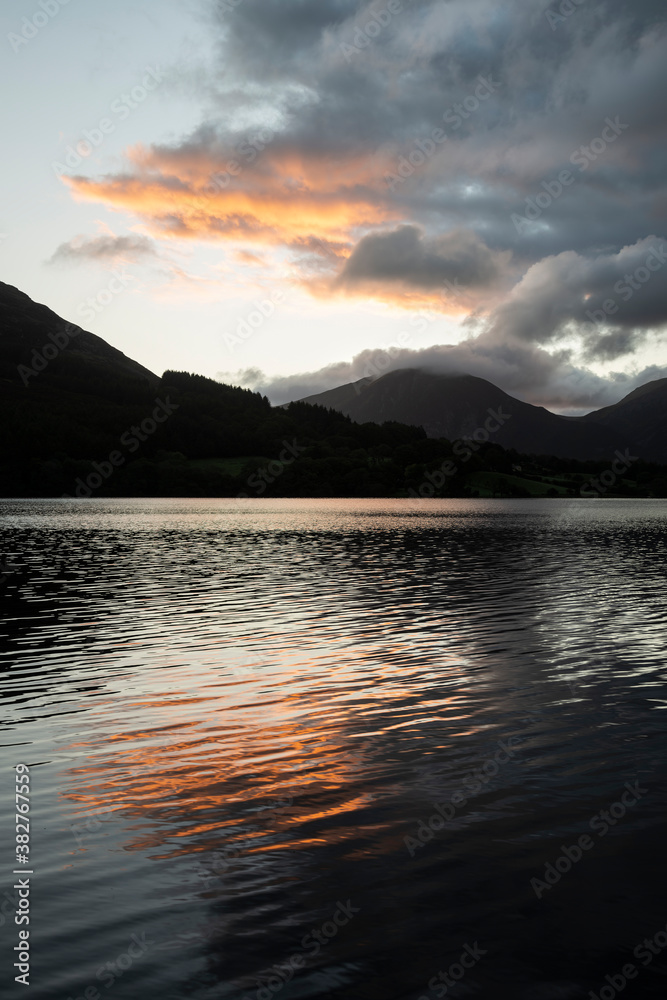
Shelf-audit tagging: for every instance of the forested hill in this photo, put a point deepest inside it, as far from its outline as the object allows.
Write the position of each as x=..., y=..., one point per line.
x=184, y=435
x=81, y=419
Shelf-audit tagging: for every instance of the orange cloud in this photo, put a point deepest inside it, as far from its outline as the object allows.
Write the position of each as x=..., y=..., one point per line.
x=246, y=257
x=284, y=197
x=402, y=296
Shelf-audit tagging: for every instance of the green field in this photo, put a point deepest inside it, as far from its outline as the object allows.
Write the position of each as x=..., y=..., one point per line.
x=490, y=484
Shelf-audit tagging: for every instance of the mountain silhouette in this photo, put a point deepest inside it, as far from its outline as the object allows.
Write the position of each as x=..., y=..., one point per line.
x=68, y=400
x=459, y=406
x=641, y=418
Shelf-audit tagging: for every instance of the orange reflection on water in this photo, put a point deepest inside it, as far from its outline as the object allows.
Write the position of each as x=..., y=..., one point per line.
x=191, y=773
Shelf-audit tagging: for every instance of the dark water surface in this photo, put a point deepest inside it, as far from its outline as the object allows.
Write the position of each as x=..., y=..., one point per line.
x=240, y=715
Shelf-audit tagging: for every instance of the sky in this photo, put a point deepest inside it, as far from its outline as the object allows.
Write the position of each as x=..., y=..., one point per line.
x=294, y=194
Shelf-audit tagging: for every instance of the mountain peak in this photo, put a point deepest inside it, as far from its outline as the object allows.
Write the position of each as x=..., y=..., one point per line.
x=459, y=406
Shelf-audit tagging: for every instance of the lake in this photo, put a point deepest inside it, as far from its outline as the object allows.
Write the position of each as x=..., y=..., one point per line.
x=349, y=749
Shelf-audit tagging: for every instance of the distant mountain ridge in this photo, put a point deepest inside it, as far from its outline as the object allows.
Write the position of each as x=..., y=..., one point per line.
x=66, y=392
x=458, y=407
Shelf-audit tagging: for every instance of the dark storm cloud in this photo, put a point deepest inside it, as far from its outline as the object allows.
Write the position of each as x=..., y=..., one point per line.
x=270, y=36
x=582, y=94
x=406, y=256
x=556, y=88
x=286, y=64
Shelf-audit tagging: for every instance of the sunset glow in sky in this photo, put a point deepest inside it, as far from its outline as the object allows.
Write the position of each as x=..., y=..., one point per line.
x=286, y=187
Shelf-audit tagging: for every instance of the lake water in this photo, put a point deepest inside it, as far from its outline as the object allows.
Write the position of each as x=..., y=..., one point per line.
x=239, y=717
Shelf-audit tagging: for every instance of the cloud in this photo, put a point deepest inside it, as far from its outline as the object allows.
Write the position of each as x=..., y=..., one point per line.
x=612, y=301
x=527, y=372
x=255, y=260
x=105, y=249
x=405, y=256
x=311, y=135
x=290, y=195
x=313, y=104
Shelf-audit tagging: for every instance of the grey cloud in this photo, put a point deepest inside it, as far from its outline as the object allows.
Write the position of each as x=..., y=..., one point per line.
x=555, y=90
x=609, y=346
x=104, y=249
x=275, y=36
x=622, y=292
x=405, y=256
x=282, y=62
x=557, y=87
x=525, y=371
